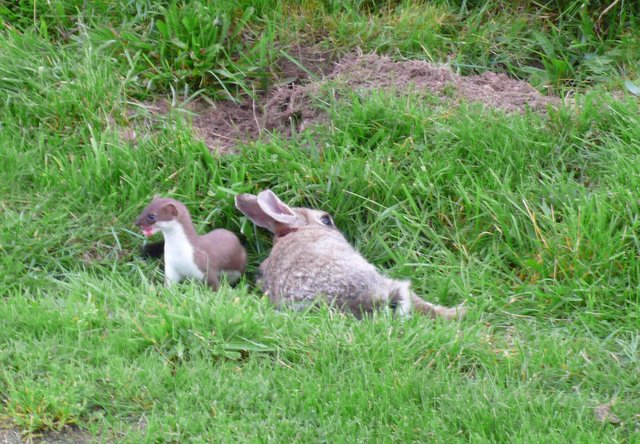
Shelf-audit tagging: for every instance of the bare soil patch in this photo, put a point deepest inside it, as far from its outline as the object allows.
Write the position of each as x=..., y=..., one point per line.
x=290, y=106
x=68, y=435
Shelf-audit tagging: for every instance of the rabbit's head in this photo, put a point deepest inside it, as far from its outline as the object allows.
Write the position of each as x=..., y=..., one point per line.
x=268, y=211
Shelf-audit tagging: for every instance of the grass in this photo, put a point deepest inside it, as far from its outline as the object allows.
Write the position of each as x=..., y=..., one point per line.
x=531, y=219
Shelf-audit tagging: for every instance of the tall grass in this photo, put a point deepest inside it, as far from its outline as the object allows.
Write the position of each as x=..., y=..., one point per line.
x=221, y=49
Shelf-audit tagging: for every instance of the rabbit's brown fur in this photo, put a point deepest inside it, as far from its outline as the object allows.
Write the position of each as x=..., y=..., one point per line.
x=311, y=259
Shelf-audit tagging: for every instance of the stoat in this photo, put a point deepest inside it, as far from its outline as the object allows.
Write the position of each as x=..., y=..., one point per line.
x=188, y=255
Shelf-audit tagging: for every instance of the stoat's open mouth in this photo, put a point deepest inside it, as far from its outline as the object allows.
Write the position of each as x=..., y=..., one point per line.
x=147, y=230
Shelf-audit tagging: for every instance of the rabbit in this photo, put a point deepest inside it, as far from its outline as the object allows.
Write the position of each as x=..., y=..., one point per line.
x=311, y=259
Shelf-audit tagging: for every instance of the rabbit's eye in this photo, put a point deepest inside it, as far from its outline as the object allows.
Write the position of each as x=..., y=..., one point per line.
x=151, y=216
x=326, y=220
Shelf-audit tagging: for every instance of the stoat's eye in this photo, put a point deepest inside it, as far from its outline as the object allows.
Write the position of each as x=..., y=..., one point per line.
x=326, y=220
x=151, y=216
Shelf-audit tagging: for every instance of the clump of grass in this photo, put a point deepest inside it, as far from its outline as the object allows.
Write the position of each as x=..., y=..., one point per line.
x=191, y=47
x=202, y=47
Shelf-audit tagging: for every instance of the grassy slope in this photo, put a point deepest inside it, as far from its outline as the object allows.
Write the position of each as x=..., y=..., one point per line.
x=532, y=220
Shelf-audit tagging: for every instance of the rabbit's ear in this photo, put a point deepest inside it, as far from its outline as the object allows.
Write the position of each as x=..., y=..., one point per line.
x=276, y=209
x=248, y=205
x=267, y=211
x=285, y=220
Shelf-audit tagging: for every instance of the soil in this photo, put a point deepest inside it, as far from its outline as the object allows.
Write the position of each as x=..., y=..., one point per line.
x=316, y=61
x=290, y=107
x=68, y=435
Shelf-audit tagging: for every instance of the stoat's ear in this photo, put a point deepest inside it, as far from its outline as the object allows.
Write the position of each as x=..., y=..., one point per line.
x=171, y=209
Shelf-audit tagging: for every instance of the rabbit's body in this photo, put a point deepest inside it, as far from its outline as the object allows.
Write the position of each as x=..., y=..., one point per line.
x=312, y=260
x=332, y=269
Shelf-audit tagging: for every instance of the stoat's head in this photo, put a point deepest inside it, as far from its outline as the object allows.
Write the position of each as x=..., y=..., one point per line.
x=160, y=213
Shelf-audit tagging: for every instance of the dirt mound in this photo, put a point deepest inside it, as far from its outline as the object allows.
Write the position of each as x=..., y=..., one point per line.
x=290, y=107
x=491, y=89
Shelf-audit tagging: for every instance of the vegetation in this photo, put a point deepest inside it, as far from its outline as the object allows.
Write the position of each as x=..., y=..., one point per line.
x=532, y=219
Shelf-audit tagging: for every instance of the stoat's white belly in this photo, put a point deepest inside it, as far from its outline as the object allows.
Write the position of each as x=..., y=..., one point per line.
x=179, y=262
